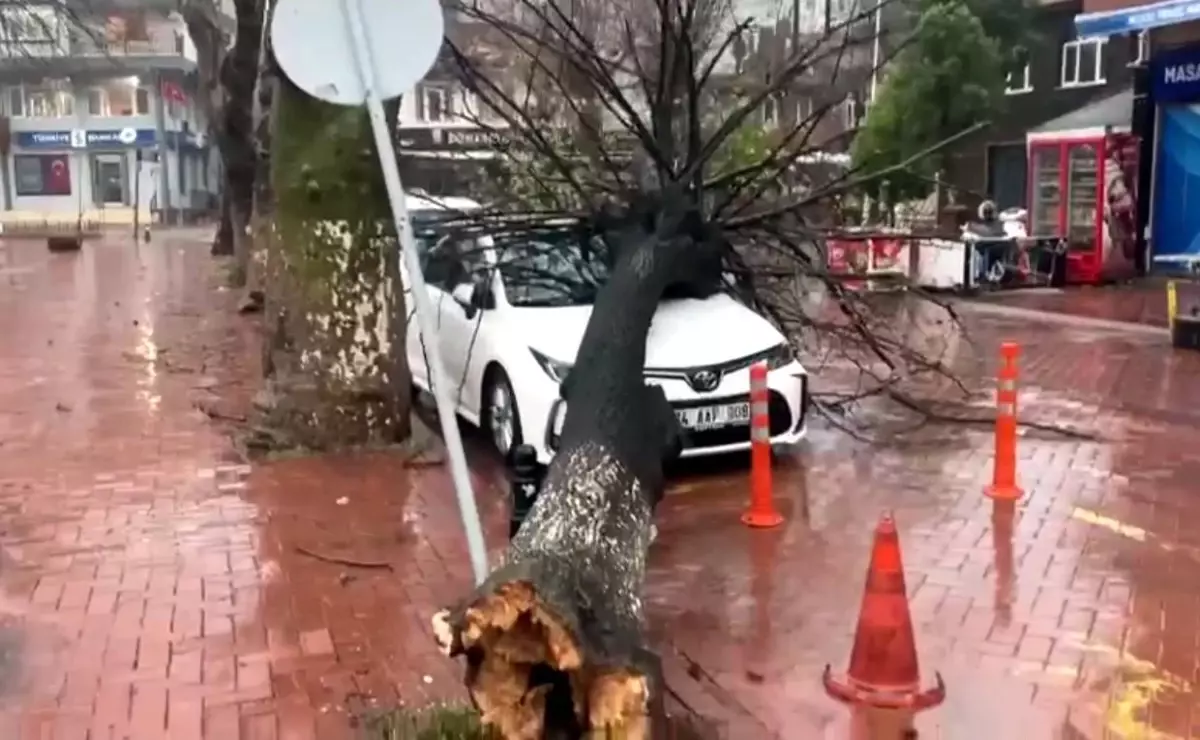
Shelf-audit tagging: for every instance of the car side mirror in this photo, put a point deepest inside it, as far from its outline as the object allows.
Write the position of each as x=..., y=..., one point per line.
x=474, y=296
x=481, y=292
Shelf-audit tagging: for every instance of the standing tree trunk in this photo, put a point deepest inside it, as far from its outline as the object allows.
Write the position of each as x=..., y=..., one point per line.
x=235, y=136
x=334, y=308
x=203, y=23
x=553, y=640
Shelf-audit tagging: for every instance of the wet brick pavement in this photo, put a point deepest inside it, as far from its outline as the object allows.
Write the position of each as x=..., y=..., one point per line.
x=152, y=585
x=1143, y=302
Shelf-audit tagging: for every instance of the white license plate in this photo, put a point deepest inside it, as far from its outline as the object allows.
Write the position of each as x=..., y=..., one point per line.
x=714, y=417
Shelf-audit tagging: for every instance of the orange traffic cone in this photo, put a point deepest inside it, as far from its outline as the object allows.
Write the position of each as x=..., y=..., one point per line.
x=883, y=669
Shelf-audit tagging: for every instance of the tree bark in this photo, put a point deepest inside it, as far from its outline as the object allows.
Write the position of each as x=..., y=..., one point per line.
x=204, y=27
x=236, y=135
x=553, y=640
x=222, y=245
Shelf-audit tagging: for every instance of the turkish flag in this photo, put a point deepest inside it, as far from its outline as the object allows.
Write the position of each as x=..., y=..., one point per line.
x=56, y=175
x=173, y=92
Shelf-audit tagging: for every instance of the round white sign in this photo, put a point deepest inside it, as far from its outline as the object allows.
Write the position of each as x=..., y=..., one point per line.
x=313, y=41
x=127, y=135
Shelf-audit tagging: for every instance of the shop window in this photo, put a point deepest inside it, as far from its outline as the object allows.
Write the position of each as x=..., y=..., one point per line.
x=1083, y=62
x=42, y=174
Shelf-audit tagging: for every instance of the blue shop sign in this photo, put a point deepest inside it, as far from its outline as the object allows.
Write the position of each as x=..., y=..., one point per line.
x=1175, y=76
x=85, y=138
x=1137, y=18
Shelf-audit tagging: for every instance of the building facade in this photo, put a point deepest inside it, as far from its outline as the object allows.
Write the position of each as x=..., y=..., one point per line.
x=1057, y=75
x=96, y=114
x=447, y=138
x=1166, y=117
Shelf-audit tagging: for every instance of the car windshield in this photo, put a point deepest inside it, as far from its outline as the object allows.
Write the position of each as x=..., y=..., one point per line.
x=551, y=268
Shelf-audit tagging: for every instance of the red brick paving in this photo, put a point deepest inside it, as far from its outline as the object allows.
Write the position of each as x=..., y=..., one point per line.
x=151, y=584
x=1141, y=302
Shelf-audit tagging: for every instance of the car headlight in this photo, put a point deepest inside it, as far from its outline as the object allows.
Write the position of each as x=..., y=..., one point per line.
x=555, y=369
x=780, y=356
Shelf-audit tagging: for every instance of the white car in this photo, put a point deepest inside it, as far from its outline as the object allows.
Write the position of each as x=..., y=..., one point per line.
x=511, y=313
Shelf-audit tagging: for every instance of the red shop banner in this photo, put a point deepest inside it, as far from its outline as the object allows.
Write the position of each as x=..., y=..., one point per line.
x=865, y=258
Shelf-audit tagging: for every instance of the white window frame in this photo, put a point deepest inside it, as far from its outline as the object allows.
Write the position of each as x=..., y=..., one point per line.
x=772, y=110
x=850, y=113
x=1070, y=63
x=1141, y=49
x=1026, y=82
x=444, y=107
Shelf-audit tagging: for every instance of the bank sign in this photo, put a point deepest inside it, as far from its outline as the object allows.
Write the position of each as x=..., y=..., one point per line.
x=1175, y=76
x=85, y=138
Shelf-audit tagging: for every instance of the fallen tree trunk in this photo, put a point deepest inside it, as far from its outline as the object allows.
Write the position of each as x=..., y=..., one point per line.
x=554, y=640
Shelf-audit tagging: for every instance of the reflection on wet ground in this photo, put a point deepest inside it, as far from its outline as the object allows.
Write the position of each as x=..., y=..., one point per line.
x=155, y=586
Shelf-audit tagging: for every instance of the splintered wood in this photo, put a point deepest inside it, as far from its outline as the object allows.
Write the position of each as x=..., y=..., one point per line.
x=512, y=633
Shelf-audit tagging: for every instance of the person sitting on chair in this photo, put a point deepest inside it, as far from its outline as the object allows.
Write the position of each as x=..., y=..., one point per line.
x=987, y=222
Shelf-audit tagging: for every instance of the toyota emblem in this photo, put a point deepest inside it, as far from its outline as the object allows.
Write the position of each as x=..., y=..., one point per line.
x=704, y=380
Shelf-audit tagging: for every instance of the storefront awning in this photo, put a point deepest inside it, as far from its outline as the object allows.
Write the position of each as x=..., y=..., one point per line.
x=1136, y=18
x=1112, y=113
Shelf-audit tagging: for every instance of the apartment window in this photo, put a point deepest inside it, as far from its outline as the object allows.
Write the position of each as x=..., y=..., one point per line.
x=804, y=109
x=475, y=110
x=771, y=110
x=1141, y=49
x=40, y=102
x=1083, y=62
x=850, y=112
x=814, y=15
x=433, y=103
x=119, y=98
x=121, y=28
x=1019, y=81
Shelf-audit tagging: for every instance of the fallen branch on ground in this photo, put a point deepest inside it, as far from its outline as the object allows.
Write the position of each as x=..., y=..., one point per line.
x=348, y=562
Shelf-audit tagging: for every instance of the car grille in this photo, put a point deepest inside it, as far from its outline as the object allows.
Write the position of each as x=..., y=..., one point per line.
x=692, y=375
x=780, y=415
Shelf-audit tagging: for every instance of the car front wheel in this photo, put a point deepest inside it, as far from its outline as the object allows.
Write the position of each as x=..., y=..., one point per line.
x=500, y=418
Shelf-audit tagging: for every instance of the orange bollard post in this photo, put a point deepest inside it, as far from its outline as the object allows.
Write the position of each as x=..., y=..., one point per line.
x=1004, y=471
x=762, y=512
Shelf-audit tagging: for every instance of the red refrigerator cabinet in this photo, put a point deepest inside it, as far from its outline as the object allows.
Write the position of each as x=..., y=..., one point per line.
x=1081, y=191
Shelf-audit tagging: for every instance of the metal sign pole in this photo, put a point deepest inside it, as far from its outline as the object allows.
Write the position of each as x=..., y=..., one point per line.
x=364, y=60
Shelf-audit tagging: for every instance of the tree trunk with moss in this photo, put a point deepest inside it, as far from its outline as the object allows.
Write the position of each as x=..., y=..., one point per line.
x=334, y=308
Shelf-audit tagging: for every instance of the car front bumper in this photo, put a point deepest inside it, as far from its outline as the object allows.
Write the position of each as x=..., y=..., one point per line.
x=788, y=405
